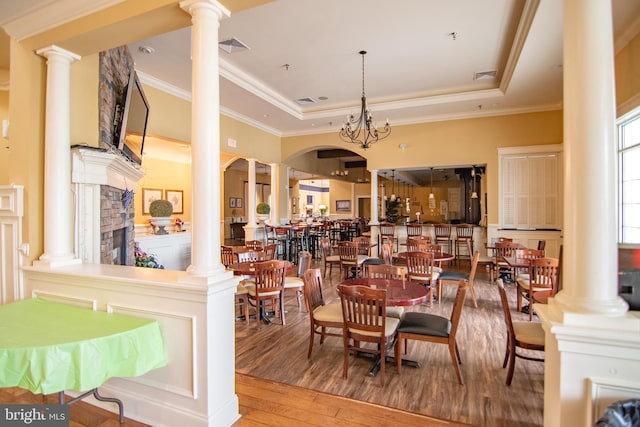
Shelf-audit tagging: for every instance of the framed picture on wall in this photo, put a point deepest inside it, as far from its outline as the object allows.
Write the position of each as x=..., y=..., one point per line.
x=343, y=205
x=148, y=196
x=238, y=202
x=232, y=202
x=175, y=197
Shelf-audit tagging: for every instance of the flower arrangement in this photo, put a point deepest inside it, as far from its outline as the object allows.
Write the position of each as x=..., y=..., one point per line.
x=146, y=260
x=179, y=222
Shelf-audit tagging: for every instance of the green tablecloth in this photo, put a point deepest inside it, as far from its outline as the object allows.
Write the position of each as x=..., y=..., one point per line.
x=47, y=347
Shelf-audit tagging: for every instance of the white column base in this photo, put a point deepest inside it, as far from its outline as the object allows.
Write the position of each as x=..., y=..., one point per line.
x=582, y=311
x=591, y=361
x=56, y=262
x=250, y=232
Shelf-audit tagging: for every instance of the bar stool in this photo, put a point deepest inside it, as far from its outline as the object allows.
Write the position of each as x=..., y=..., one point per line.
x=388, y=231
x=414, y=230
x=464, y=240
x=442, y=234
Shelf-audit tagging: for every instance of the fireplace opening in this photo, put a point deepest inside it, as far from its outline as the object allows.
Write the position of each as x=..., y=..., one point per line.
x=119, y=251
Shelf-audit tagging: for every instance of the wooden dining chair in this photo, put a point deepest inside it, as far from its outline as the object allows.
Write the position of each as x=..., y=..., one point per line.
x=267, y=287
x=386, y=271
x=442, y=234
x=254, y=244
x=452, y=277
x=388, y=231
x=543, y=276
x=413, y=230
x=321, y=314
x=364, y=245
x=328, y=258
x=525, y=335
x=296, y=283
x=363, y=324
x=416, y=245
x=270, y=251
x=526, y=254
x=251, y=256
x=420, y=267
x=500, y=267
x=350, y=260
x=428, y=327
x=386, y=253
x=227, y=257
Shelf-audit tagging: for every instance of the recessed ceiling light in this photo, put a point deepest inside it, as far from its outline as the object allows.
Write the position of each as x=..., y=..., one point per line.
x=146, y=49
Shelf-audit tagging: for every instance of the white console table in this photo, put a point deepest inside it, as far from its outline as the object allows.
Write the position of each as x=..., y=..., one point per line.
x=173, y=250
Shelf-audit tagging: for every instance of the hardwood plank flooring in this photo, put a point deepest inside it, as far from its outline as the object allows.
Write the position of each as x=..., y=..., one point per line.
x=278, y=386
x=279, y=353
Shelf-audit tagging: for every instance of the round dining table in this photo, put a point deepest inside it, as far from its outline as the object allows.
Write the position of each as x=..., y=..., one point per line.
x=249, y=268
x=437, y=256
x=399, y=292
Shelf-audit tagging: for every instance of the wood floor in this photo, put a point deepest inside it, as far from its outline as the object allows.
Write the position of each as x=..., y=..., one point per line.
x=279, y=354
x=278, y=386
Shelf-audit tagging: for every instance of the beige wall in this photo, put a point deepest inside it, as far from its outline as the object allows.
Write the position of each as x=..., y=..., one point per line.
x=234, y=187
x=26, y=165
x=4, y=143
x=449, y=143
x=164, y=175
x=84, y=101
x=169, y=116
x=627, y=63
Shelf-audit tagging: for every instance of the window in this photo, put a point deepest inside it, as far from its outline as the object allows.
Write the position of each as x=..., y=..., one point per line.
x=531, y=187
x=629, y=178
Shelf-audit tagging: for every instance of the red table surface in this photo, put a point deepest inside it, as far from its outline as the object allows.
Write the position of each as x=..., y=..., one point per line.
x=399, y=293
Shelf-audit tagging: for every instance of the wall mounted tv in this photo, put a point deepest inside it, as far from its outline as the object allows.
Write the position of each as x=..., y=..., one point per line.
x=133, y=126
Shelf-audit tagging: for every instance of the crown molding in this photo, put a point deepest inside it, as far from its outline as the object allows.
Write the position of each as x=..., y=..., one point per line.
x=154, y=82
x=524, y=27
x=54, y=14
x=627, y=35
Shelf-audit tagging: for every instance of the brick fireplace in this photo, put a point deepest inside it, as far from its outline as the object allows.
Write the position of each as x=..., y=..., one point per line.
x=104, y=227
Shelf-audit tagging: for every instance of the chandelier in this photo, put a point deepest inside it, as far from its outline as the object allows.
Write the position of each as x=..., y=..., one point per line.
x=339, y=172
x=363, y=131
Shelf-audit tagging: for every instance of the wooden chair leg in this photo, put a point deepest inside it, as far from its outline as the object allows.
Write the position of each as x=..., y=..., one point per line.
x=473, y=295
x=455, y=355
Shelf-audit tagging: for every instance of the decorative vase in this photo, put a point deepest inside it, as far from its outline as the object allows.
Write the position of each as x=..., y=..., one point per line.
x=161, y=222
x=262, y=218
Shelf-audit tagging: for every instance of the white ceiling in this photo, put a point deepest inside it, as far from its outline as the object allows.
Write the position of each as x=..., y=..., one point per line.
x=415, y=69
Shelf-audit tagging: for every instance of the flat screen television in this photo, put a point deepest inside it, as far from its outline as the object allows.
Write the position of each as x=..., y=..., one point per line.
x=133, y=125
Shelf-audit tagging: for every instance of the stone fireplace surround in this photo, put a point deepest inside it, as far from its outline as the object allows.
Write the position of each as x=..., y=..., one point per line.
x=99, y=179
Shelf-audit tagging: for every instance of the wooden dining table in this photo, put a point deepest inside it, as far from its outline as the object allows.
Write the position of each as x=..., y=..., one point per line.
x=249, y=268
x=399, y=293
x=438, y=258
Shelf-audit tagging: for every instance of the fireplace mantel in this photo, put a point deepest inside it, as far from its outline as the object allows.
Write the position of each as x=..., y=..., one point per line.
x=95, y=166
x=99, y=178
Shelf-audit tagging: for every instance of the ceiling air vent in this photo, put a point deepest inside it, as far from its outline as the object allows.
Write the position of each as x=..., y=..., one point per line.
x=305, y=101
x=232, y=45
x=485, y=75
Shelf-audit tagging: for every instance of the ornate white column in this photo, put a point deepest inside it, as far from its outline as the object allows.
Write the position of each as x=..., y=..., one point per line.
x=285, y=177
x=250, y=228
x=205, y=136
x=58, y=247
x=590, y=245
x=592, y=345
x=218, y=403
x=275, y=195
x=373, y=222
